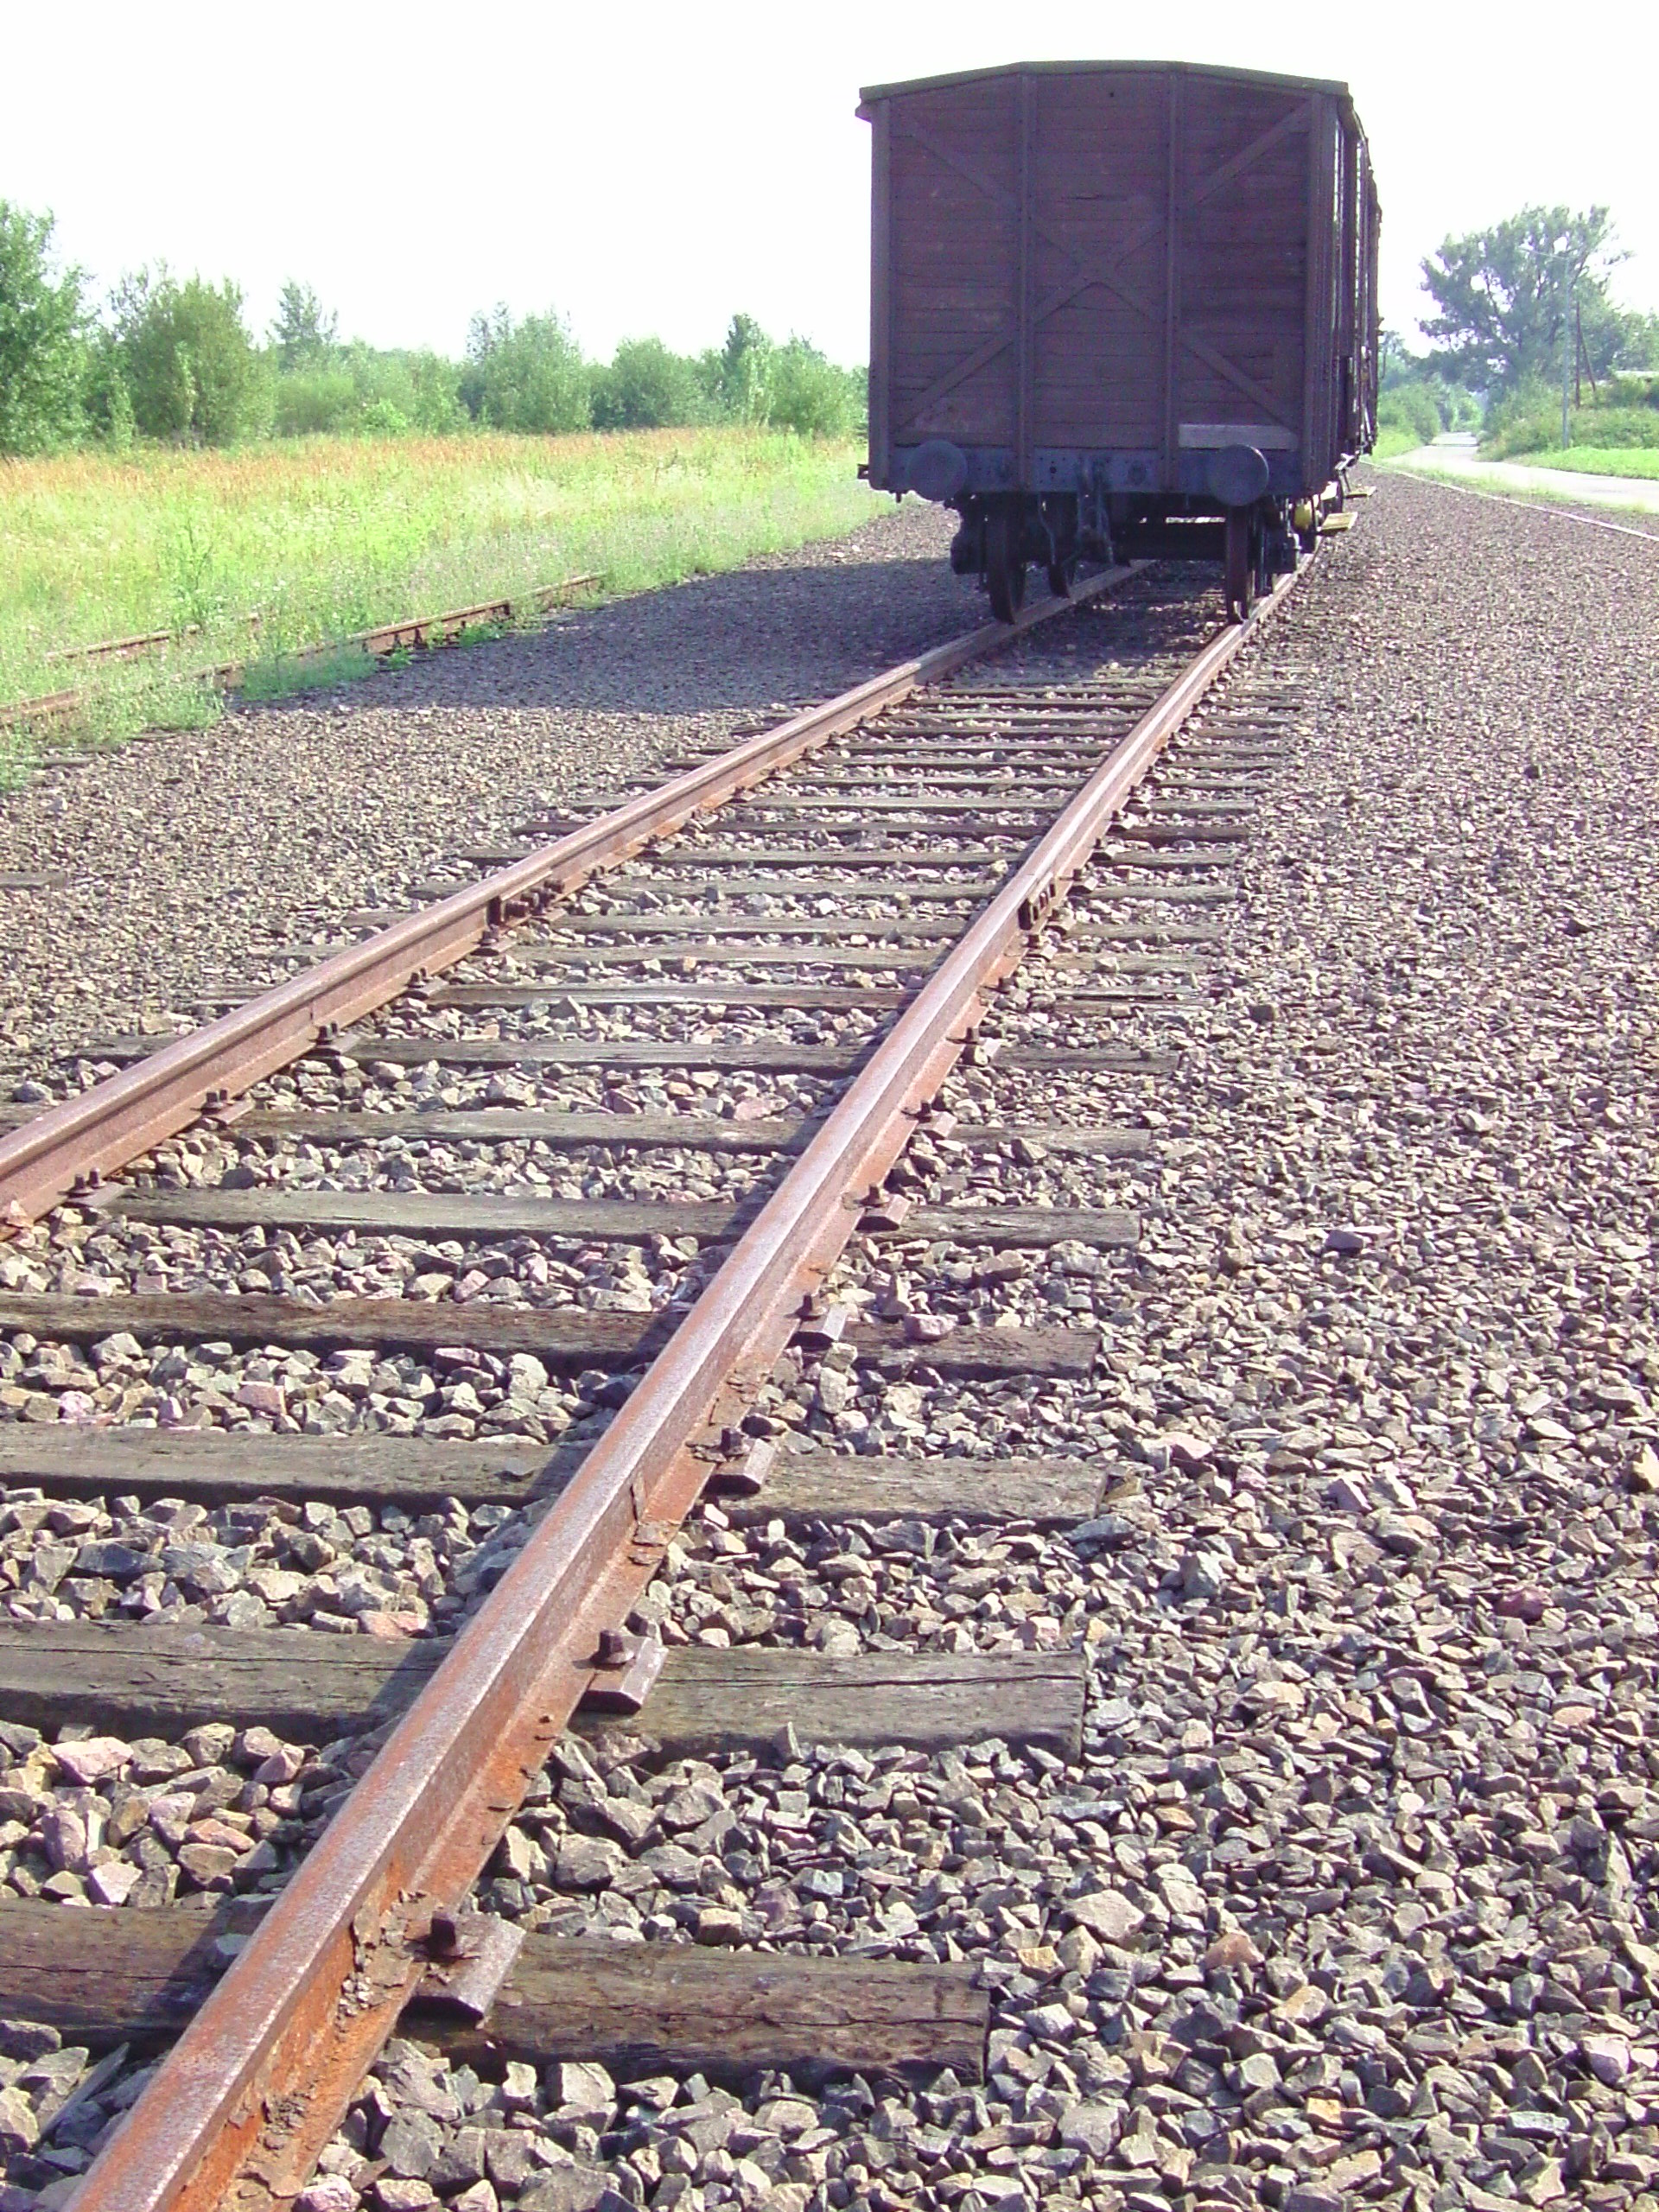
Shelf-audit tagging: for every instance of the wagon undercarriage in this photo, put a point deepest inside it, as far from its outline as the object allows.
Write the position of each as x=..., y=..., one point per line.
x=1119, y=309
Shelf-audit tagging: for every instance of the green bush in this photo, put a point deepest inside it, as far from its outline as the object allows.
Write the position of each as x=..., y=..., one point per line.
x=648, y=388
x=311, y=402
x=788, y=387
x=1529, y=434
x=382, y=395
x=1627, y=429
x=807, y=393
x=420, y=389
x=1615, y=426
x=187, y=361
x=384, y=418
x=1528, y=420
x=1410, y=407
x=41, y=346
x=527, y=376
x=1631, y=391
x=1626, y=415
x=433, y=402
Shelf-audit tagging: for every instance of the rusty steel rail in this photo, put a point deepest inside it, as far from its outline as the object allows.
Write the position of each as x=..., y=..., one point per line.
x=94, y=1135
x=236, y=2112
x=50, y=707
x=419, y=633
x=128, y=648
x=149, y=641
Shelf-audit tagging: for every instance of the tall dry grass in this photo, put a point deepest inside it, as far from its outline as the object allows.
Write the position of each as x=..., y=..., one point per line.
x=328, y=536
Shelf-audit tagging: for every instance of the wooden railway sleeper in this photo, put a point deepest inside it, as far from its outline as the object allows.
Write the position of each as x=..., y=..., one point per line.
x=480, y=1720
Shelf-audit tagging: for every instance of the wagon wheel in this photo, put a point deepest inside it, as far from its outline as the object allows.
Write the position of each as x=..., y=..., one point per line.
x=1241, y=564
x=1062, y=574
x=1005, y=571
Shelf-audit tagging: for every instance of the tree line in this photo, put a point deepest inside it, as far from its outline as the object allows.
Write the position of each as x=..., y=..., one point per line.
x=1515, y=306
x=174, y=360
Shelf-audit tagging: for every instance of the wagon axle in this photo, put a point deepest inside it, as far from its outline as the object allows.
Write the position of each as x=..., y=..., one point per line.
x=1120, y=309
x=1003, y=536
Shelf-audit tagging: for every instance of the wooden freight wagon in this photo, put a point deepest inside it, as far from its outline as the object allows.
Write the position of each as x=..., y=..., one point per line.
x=1120, y=307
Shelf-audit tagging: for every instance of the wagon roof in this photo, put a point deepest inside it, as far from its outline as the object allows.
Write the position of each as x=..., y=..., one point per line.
x=1091, y=68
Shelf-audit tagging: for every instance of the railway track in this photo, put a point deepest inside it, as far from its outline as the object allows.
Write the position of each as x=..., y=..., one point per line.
x=612, y=1182
x=415, y=633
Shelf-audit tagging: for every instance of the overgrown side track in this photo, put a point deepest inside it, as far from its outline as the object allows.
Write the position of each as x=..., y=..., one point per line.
x=92, y=1134
x=889, y=886
x=414, y=633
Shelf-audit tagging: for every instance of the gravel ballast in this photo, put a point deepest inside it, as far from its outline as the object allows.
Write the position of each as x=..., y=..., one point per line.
x=184, y=853
x=1350, y=1898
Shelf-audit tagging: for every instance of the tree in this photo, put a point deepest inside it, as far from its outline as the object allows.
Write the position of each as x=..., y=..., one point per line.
x=807, y=393
x=1506, y=295
x=107, y=398
x=187, y=360
x=304, y=337
x=788, y=387
x=434, y=394
x=646, y=387
x=1395, y=357
x=43, y=337
x=742, y=374
x=528, y=376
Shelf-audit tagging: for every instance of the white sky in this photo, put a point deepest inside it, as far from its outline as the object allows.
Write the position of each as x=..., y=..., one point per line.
x=645, y=167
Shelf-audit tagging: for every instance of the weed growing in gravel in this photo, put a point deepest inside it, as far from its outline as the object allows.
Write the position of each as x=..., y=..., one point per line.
x=279, y=678
x=162, y=699
x=324, y=537
x=134, y=696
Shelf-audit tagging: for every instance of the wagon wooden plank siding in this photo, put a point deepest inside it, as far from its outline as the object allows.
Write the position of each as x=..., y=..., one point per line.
x=1120, y=307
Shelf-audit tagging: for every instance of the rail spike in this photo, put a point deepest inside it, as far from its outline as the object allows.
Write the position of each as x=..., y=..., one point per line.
x=239, y=2109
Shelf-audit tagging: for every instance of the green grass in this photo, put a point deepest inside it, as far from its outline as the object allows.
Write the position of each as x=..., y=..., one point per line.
x=327, y=535
x=279, y=678
x=1395, y=438
x=1598, y=460
x=1519, y=437
x=1540, y=494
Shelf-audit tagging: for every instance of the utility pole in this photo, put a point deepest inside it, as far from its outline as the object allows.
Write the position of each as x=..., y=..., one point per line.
x=1568, y=362
x=1584, y=363
x=1577, y=351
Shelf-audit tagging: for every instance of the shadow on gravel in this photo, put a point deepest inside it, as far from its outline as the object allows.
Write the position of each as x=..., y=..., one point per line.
x=756, y=637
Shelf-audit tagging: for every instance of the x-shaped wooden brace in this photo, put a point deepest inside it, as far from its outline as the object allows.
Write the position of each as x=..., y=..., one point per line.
x=1104, y=274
